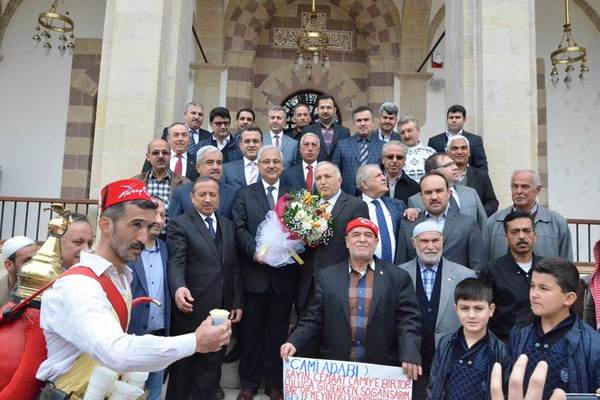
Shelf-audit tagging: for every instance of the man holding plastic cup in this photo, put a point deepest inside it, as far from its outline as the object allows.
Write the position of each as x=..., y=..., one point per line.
x=83, y=328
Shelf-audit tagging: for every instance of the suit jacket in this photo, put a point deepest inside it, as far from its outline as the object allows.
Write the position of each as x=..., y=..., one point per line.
x=138, y=323
x=231, y=151
x=393, y=325
x=405, y=187
x=394, y=136
x=481, y=182
x=176, y=182
x=191, y=173
x=234, y=174
x=452, y=274
x=396, y=208
x=249, y=210
x=182, y=203
x=209, y=270
x=288, y=147
x=470, y=204
x=347, y=158
x=293, y=178
x=462, y=241
x=339, y=133
x=346, y=208
x=477, y=159
x=193, y=147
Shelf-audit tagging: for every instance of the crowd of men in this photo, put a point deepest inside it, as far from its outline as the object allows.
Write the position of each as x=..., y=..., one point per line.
x=411, y=222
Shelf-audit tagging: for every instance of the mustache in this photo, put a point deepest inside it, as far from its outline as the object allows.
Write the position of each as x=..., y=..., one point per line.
x=522, y=242
x=137, y=246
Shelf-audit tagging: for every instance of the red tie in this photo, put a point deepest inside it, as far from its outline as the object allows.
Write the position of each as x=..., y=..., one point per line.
x=178, y=165
x=309, y=178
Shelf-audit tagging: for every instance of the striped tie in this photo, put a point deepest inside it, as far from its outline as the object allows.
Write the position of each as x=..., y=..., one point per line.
x=253, y=172
x=364, y=151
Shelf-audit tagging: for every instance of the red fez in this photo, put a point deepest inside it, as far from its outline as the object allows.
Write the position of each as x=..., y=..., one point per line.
x=122, y=191
x=364, y=222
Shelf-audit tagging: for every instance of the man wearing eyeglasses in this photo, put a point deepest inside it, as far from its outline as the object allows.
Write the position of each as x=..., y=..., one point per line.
x=393, y=158
x=268, y=291
x=220, y=120
x=417, y=153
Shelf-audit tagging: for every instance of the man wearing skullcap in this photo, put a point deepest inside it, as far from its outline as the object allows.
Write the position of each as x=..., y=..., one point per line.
x=16, y=252
x=376, y=320
x=434, y=279
x=84, y=314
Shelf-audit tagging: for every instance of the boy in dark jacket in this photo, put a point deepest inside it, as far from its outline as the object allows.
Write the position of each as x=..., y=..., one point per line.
x=569, y=346
x=464, y=360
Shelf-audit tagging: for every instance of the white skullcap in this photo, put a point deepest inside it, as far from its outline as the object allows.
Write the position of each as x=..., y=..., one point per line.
x=12, y=245
x=426, y=226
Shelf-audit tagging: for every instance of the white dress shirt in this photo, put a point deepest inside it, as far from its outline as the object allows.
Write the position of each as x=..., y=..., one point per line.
x=280, y=134
x=388, y=221
x=214, y=220
x=77, y=318
x=332, y=201
x=220, y=145
x=248, y=171
x=174, y=159
x=275, y=192
x=305, y=170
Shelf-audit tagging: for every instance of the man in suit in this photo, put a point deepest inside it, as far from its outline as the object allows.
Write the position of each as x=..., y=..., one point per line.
x=458, y=149
x=182, y=162
x=302, y=175
x=434, y=278
x=268, y=291
x=209, y=163
x=552, y=230
x=301, y=119
x=244, y=172
x=360, y=149
x=463, y=199
x=456, y=116
x=417, y=153
x=287, y=145
x=159, y=179
x=388, y=117
x=393, y=158
x=385, y=212
x=462, y=238
x=193, y=117
x=221, y=138
x=365, y=309
x=244, y=118
x=328, y=131
x=343, y=209
x=203, y=275
x=149, y=272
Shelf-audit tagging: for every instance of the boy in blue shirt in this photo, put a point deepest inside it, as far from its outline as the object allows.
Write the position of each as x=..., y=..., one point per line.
x=569, y=346
x=464, y=360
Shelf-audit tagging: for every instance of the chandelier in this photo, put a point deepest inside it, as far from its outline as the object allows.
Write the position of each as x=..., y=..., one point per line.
x=312, y=43
x=53, y=21
x=568, y=53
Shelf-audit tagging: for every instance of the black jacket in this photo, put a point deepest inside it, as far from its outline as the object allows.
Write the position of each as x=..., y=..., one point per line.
x=405, y=187
x=479, y=180
x=339, y=133
x=478, y=158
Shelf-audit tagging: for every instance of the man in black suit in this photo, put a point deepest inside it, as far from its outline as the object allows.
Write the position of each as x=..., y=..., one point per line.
x=244, y=172
x=209, y=163
x=379, y=324
x=388, y=118
x=182, y=162
x=456, y=116
x=220, y=119
x=302, y=175
x=328, y=131
x=193, y=117
x=458, y=149
x=268, y=291
x=343, y=208
x=244, y=118
x=400, y=185
x=203, y=274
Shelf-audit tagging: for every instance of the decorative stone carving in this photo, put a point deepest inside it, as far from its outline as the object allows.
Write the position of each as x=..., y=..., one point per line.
x=287, y=38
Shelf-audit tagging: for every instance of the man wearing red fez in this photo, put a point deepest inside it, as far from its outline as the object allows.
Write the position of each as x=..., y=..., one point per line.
x=380, y=322
x=83, y=317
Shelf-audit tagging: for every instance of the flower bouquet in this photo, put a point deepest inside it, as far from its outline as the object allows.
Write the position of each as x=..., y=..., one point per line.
x=299, y=220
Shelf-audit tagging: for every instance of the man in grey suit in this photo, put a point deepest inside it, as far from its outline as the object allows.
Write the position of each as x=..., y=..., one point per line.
x=244, y=172
x=462, y=238
x=287, y=145
x=464, y=199
x=434, y=278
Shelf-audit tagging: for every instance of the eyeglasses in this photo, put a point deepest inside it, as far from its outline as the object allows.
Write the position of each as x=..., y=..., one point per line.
x=448, y=164
x=395, y=156
x=267, y=162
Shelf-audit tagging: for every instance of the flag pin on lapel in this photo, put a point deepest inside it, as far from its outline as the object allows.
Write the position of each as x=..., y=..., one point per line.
x=380, y=272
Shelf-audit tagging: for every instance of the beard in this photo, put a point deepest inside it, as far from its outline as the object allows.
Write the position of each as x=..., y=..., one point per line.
x=429, y=258
x=122, y=250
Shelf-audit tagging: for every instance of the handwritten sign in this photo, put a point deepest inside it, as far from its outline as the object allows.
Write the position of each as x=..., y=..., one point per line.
x=314, y=379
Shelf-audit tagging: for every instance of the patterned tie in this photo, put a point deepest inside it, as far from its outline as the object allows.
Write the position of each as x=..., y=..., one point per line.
x=309, y=178
x=253, y=172
x=211, y=228
x=364, y=151
x=386, y=243
x=193, y=147
x=277, y=140
x=270, y=197
x=178, y=165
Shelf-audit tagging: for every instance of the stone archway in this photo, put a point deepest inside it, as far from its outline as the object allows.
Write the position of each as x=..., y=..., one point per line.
x=6, y=14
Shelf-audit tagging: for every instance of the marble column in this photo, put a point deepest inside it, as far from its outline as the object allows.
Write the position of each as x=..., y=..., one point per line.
x=413, y=94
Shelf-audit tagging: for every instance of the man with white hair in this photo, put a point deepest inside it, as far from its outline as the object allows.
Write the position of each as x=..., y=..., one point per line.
x=388, y=117
x=410, y=135
x=551, y=228
x=434, y=278
x=16, y=252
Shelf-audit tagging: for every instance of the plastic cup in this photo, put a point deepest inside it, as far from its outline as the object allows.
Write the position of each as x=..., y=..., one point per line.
x=135, y=378
x=101, y=380
x=219, y=316
x=125, y=391
x=93, y=394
